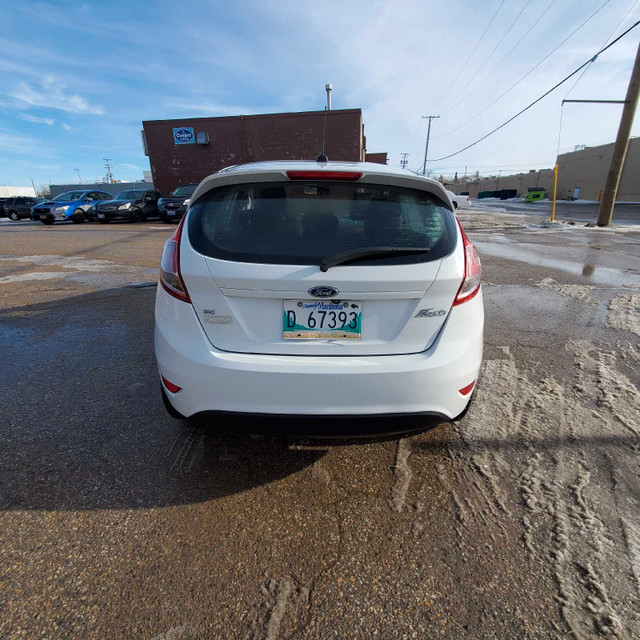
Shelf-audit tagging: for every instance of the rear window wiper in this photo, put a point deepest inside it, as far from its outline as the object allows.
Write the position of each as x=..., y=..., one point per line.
x=368, y=252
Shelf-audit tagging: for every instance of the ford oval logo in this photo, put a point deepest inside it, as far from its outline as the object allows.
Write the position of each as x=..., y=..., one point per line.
x=323, y=292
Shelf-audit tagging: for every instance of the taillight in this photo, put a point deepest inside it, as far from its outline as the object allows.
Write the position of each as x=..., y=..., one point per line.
x=334, y=176
x=472, y=271
x=170, y=277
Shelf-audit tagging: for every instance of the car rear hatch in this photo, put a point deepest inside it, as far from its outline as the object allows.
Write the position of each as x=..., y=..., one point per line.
x=251, y=252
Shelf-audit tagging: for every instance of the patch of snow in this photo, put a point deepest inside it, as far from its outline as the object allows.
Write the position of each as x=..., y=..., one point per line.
x=624, y=312
x=576, y=291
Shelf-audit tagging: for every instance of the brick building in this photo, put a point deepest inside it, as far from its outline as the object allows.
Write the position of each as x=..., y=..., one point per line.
x=189, y=149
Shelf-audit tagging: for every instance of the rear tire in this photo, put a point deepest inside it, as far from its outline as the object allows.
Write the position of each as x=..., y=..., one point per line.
x=78, y=217
x=14, y=216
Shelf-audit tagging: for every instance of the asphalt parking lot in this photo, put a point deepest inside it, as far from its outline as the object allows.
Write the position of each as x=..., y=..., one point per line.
x=519, y=521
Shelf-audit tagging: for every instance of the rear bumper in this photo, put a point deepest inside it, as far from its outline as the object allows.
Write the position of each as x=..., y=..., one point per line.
x=171, y=214
x=112, y=215
x=213, y=380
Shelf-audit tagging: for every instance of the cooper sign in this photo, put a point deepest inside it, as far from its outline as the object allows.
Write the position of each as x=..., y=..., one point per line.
x=184, y=135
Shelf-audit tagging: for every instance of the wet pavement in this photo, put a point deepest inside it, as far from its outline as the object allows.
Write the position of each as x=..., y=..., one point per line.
x=519, y=521
x=624, y=214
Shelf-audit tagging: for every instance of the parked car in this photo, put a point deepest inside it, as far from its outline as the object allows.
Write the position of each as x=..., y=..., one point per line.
x=319, y=289
x=459, y=202
x=71, y=205
x=20, y=207
x=3, y=211
x=173, y=207
x=135, y=205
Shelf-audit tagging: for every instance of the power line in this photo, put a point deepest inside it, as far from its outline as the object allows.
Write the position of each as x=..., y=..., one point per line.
x=466, y=62
x=513, y=86
x=544, y=95
x=573, y=86
x=482, y=66
x=517, y=44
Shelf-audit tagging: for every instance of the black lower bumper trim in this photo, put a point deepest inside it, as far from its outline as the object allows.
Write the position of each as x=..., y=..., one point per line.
x=324, y=426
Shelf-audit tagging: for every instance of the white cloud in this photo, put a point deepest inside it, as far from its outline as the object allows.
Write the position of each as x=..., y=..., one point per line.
x=53, y=96
x=126, y=165
x=38, y=119
x=67, y=127
x=13, y=142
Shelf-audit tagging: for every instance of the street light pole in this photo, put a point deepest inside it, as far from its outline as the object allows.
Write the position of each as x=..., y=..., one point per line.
x=426, y=146
x=620, y=146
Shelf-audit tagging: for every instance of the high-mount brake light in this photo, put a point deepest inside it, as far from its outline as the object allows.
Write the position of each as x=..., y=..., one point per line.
x=170, y=277
x=333, y=176
x=472, y=271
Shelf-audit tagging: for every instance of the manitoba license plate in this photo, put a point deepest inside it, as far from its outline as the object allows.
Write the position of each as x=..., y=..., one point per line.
x=309, y=319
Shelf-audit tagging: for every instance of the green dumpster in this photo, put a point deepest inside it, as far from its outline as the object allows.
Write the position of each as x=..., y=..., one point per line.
x=535, y=193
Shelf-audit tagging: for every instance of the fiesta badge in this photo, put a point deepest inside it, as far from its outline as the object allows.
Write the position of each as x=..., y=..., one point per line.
x=323, y=292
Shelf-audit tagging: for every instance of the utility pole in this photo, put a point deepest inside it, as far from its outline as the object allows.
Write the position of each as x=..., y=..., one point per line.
x=405, y=159
x=426, y=147
x=109, y=177
x=620, y=146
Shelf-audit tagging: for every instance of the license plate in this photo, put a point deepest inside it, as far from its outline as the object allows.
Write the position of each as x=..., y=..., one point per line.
x=101, y=215
x=170, y=212
x=312, y=319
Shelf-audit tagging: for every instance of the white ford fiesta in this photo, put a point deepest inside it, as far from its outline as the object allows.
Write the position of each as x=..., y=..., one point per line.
x=319, y=289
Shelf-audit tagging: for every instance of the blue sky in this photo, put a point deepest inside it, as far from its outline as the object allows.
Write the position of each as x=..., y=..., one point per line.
x=78, y=78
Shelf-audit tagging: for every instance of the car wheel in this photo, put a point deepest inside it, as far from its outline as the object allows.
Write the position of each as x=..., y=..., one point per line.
x=47, y=222
x=78, y=217
x=14, y=216
x=136, y=216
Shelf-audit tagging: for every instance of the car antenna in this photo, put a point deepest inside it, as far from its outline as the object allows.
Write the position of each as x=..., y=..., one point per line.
x=322, y=157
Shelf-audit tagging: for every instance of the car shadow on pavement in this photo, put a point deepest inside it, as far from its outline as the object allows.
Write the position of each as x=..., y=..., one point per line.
x=83, y=425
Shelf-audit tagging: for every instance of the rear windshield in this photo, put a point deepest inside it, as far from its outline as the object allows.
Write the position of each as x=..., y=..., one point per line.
x=304, y=222
x=184, y=190
x=129, y=195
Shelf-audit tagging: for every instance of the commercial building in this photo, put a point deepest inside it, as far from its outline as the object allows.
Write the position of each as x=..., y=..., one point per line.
x=12, y=192
x=581, y=175
x=189, y=149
